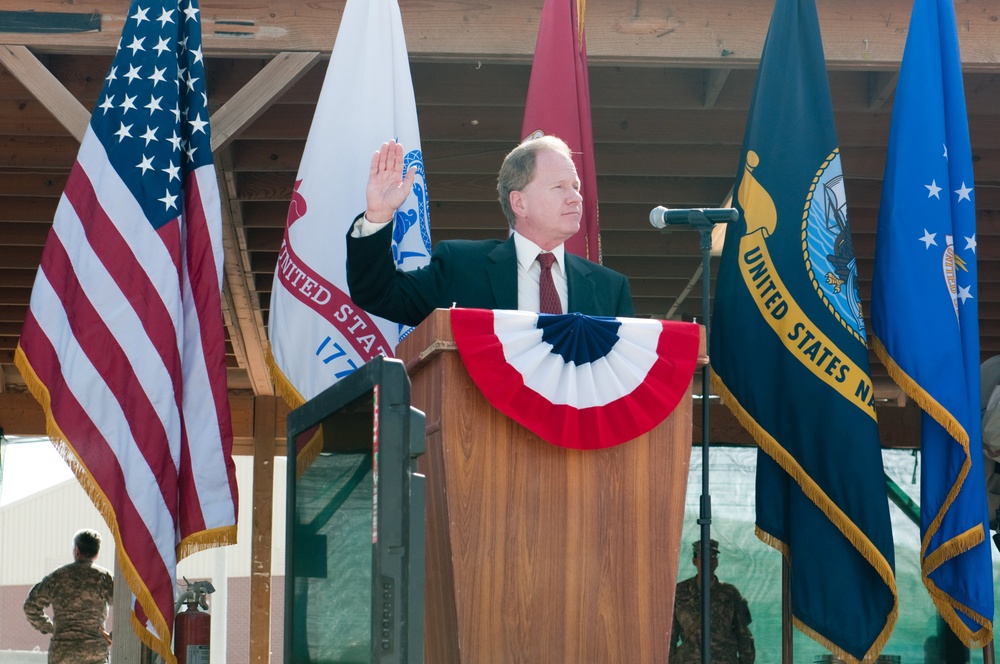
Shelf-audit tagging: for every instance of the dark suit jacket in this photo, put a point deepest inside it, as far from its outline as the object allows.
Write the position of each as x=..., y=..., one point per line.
x=474, y=274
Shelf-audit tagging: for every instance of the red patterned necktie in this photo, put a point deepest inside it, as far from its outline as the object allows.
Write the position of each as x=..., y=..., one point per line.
x=548, y=297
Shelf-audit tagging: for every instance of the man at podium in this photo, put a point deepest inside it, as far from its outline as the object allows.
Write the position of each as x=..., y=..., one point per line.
x=539, y=192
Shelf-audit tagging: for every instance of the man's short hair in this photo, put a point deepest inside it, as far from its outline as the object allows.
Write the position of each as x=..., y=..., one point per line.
x=519, y=167
x=88, y=542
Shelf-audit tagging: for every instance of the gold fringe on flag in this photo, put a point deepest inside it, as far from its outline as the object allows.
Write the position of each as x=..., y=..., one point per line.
x=161, y=641
x=931, y=560
x=832, y=511
x=310, y=451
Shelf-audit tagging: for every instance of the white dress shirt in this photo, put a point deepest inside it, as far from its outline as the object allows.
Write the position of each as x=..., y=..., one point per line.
x=529, y=272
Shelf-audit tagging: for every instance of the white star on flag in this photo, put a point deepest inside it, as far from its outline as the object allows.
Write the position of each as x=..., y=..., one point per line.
x=133, y=73
x=136, y=45
x=123, y=132
x=963, y=193
x=157, y=76
x=169, y=201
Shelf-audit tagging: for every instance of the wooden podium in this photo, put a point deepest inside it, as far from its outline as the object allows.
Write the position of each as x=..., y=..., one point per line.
x=537, y=554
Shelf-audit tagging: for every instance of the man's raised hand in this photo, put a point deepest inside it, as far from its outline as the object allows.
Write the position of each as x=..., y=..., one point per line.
x=387, y=188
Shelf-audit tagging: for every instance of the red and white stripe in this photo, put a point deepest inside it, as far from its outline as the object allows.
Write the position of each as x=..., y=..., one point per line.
x=124, y=334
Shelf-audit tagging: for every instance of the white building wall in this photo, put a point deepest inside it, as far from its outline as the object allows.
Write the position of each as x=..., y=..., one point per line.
x=36, y=533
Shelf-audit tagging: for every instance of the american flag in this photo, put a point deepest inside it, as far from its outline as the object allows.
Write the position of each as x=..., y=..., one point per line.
x=123, y=342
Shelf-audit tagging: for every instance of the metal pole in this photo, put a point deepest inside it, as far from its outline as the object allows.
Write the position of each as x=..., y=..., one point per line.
x=126, y=648
x=702, y=220
x=705, y=516
x=786, y=612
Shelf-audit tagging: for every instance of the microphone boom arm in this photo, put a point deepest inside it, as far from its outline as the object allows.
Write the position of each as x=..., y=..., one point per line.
x=699, y=218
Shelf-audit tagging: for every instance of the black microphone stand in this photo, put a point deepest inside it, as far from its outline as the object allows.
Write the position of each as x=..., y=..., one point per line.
x=704, y=226
x=700, y=222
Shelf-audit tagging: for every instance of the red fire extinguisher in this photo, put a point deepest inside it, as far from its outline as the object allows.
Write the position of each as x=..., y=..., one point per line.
x=193, y=624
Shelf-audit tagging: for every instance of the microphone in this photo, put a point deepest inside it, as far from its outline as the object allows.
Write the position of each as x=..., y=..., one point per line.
x=661, y=217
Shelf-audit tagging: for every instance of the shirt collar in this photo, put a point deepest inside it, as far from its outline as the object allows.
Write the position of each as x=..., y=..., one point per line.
x=527, y=252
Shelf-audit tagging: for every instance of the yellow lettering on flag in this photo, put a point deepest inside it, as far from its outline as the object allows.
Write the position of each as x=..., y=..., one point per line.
x=802, y=338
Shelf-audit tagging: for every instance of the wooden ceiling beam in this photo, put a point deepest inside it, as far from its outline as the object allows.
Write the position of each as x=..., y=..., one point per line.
x=506, y=84
x=29, y=209
x=484, y=158
x=244, y=324
x=28, y=117
x=464, y=84
x=22, y=235
x=268, y=156
x=630, y=127
x=12, y=313
x=258, y=95
x=676, y=191
x=857, y=34
x=715, y=80
x=33, y=185
x=20, y=415
x=38, y=153
x=17, y=278
x=246, y=328
x=881, y=86
x=23, y=258
x=14, y=295
x=898, y=427
x=46, y=88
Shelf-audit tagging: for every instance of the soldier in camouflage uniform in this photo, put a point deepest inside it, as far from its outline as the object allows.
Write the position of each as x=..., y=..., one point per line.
x=79, y=594
x=732, y=642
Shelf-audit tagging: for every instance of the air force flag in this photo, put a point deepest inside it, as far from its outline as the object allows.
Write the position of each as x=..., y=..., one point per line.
x=925, y=314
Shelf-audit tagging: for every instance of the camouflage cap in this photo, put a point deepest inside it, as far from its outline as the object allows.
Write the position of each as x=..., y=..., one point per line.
x=712, y=545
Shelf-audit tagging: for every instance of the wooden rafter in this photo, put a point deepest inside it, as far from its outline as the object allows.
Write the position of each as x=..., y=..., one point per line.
x=34, y=76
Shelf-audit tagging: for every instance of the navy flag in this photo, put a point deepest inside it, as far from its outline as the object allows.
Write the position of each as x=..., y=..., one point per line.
x=789, y=354
x=925, y=318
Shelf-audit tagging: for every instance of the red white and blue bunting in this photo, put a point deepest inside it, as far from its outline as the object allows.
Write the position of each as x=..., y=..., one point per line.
x=581, y=382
